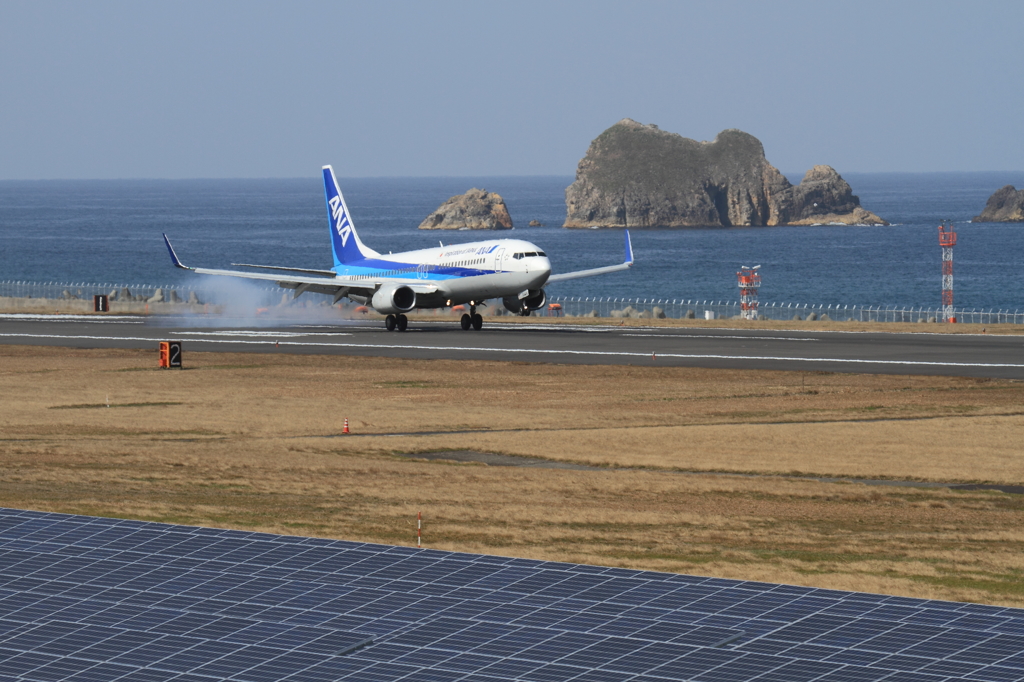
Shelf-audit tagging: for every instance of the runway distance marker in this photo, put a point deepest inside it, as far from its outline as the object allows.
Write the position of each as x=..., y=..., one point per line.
x=170, y=354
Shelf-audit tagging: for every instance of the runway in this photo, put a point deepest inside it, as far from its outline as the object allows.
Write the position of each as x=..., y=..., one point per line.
x=978, y=355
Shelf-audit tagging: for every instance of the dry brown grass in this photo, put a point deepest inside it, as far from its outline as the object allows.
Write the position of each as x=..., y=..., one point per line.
x=250, y=441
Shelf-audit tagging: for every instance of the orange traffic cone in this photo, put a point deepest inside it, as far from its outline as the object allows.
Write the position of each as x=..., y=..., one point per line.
x=345, y=430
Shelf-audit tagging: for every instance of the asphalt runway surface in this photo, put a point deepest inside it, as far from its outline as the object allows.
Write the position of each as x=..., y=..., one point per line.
x=977, y=355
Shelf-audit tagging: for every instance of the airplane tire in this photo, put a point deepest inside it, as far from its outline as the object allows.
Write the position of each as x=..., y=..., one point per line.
x=403, y=322
x=466, y=322
x=477, y=321
x=390, y=322
x=526, y=312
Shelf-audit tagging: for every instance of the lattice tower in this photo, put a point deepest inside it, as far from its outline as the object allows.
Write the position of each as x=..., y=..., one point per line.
x=749, y=281
x=947, y=240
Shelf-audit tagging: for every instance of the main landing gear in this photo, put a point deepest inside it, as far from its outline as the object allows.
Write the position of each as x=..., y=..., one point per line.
x=396, y=321
x=472, y=319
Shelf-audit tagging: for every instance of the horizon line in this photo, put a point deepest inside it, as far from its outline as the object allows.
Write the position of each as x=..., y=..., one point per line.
x=443, y=177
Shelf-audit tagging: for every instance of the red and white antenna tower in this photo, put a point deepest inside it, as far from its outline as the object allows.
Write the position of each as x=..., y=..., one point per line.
x=749, y=281
x=947, y=240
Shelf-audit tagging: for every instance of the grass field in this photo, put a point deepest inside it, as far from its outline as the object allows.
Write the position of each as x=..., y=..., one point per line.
x=253, y=441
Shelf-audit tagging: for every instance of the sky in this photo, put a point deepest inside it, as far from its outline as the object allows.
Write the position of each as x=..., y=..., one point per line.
x=258, y=89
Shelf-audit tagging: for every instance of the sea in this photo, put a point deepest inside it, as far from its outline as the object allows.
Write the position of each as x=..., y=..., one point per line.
x=109, y=231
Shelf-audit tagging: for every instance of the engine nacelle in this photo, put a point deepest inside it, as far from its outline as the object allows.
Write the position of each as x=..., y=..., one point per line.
x=393, y=298
x=536, y=300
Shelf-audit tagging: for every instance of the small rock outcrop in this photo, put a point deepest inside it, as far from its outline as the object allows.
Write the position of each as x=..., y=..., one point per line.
x=477, y=209
x=823, y=197
x=636, y=175
x=1006, y=205
x=536, y=223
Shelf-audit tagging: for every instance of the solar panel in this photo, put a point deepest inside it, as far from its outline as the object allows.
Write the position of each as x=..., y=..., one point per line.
x=85, y=598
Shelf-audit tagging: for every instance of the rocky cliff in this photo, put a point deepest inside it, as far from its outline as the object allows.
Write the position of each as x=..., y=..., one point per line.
x=1005, y=206
x=477, y=209
x=637, y=175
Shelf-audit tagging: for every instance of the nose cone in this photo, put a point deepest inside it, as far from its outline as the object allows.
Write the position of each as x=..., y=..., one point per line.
x=541, y=266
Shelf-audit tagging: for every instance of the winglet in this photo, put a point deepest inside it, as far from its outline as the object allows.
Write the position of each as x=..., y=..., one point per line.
x=174, y=256
x=626, y=265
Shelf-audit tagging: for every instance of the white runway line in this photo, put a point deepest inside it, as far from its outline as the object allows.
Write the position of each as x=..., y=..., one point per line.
x=266, y=334
x=536, y=351
x=94, y=319
x=722, y=336
x=593, y=329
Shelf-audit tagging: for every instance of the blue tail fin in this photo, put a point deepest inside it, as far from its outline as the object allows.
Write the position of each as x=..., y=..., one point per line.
x=345, y=242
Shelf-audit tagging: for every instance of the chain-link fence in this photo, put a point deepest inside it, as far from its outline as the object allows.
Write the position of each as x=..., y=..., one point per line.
x=166, y=293
x=577, y=306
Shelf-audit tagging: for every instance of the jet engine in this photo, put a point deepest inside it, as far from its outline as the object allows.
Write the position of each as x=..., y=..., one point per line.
x=535, y=300
x=393, y=298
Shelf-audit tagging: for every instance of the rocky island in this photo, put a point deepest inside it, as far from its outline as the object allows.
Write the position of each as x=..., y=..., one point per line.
x=636, y=175
x=477, y=209
x=1006, y=205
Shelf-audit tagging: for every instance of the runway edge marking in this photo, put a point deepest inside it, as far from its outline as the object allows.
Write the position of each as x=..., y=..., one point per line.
x=597, y=353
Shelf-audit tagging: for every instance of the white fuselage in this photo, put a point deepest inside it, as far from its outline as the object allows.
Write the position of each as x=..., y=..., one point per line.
x=461, y=273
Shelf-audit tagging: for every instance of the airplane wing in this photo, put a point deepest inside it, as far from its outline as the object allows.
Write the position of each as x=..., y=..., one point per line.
x=627, y=264
x=308, y=271
x=337, y=286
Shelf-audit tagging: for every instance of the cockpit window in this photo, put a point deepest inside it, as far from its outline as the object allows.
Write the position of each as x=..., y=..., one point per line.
x=530, y=253
x=541, y=253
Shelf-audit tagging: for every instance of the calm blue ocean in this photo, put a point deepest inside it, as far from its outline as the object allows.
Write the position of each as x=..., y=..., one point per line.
x=109, y=231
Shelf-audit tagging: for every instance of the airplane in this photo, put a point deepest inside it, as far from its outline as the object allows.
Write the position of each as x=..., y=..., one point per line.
x=513, y=270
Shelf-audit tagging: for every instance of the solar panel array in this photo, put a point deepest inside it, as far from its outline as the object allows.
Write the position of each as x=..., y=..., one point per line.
x=98, y=600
